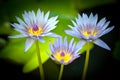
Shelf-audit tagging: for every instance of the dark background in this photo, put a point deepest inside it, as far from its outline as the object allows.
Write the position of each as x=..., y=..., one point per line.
x=103, y=64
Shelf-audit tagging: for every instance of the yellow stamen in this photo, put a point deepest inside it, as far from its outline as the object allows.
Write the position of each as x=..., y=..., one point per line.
x=67, y=57
x=35, y=32
x=88, y=34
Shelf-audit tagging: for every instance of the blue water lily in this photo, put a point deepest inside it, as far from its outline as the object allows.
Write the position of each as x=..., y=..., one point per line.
x=88, y=28
x=64, y=52
x=35, y=26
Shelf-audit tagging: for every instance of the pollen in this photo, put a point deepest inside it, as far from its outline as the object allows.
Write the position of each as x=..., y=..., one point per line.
x=66, y=57
x=88, y=34
x=35, y=31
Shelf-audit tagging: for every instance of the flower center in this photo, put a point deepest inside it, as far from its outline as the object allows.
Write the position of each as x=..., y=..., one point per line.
x=61, y=56
x=35, y=30
x=88, y=34
x=90, y=31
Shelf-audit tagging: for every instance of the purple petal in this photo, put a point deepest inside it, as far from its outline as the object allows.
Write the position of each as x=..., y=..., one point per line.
x=28, y=43
x=85, y=19
x=65, y=43
x=101, y=44
x=38, y=18
x=72, y=33
x=26, y=18
x=101, y=22
x=76, y=55
x=74, y=23
x=74, y=28
x=50, y=56
x=41, y=39
x=18, y=26
x=33, y=16
x=46, y=16
x=51, y=26
x=56, y=44
x=60, y=43
x=105, y=25
x=106, y=31
x=50, y=34
x=79, y=45
x=78, y=20
x=73, y=47
x=51, y=48
x=21, y=22
x=93, y=19
x=71, y=43
x=20, y=30
x=18, y=36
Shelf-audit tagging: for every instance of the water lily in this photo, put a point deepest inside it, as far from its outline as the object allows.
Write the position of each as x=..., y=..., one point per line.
x=90, y=29
x=35, y=27
x=64, y=52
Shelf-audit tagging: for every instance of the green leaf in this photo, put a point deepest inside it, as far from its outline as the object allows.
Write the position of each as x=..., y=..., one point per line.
x=33, y=62
x=15, y=51
x=65, y=9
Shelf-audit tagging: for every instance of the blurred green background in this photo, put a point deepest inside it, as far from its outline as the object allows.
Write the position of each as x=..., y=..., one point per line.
x=16, y=65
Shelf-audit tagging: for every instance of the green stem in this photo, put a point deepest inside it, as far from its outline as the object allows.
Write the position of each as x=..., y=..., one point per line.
x=39, y=61
x=61, y=71
x=86, y=62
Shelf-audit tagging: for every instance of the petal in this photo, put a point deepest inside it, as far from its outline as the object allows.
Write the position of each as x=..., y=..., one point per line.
x=46, y=16
x=72, y=33
x=18, y=26
x=51, y=24
x=106, y=31
x=71, y=43
x=102, y=44
x=60, y=43
x=50, y=56
x=51, y=20
x=73, y=28
x=85, y=19
x=73, y=47
x=33, y=17
x=38, y=18
x=26, y=18
x=18, y=36
x=21, y=22
x=41, y=39
x=79, y=20
x=101, y=22
x=76, y=55
x=65, y=43
x=50, y=34
x=28, y=43
x=51, y=48
x=56, y=44
x=20, y=30
x=50, y=27
x=74, y=23
x=79, y=45
x=105, y=25
x=93, y=19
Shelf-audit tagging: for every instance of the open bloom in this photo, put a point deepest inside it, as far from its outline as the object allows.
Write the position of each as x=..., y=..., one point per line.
x=64, y=52
x=35, y=26
x=89, y=29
